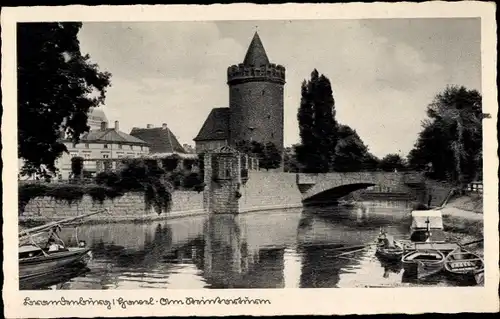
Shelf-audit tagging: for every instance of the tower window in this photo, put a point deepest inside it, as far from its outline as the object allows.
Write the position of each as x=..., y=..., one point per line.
x=263, y=91
x=272, y=135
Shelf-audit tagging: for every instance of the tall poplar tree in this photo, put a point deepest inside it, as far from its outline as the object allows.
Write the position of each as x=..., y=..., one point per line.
x=317, y=125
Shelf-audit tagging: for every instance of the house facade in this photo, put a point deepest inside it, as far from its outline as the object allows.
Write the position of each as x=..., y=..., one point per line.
x=108, y=144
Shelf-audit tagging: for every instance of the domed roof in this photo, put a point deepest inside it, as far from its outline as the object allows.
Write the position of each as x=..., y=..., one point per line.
x=97, y=115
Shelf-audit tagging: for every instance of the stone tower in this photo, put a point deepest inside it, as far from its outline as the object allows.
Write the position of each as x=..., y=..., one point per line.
x=256, y=98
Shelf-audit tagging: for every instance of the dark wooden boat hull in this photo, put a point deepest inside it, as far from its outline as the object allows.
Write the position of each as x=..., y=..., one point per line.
x=41, y=265
x=393, y=254
x=426, y=265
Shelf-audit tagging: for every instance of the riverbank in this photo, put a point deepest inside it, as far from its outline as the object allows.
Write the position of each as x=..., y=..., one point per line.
x=463, y=220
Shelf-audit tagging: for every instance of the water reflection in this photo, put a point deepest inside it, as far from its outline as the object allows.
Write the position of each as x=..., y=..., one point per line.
x=287, y=249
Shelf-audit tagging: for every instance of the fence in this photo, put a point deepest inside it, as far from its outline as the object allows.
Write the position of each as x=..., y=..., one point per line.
x=475, y=187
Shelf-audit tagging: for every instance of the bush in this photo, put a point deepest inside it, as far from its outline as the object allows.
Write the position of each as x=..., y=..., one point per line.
x=107, y=178
x=170, y=163
x=191, y=180
x=136, y=176
x=77, y=166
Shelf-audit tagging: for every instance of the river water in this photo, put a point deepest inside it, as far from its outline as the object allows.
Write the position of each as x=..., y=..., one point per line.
x=275, y=249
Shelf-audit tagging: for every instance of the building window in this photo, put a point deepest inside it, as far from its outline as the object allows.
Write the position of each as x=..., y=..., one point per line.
x=119, y=146
x=105, y=145
x=86, y=156
x=105, y=156
x=131, y=147
x=142, y=148
x=263, y=92
x=86, y=145
x=119, y=156
x=73, y=155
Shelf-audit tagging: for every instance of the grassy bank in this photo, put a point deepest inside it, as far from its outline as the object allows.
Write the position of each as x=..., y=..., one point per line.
x=463, y=221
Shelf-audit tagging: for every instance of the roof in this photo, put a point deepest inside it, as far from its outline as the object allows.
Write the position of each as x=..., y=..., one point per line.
x=256, y=54
x=216, y=126
x=425, y=213
x=112, y=136
x=160, y=140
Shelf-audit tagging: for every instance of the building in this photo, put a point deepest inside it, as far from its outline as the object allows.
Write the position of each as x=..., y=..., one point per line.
x=101, y=145
x=95, y=118
x=160, y=139
x=256, y=104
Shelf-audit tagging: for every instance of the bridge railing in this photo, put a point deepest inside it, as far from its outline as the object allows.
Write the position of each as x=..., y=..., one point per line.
x=413, y=178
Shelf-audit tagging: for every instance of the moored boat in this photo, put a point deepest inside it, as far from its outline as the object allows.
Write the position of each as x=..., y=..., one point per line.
x=391, y=253
x=40, y=260
x=423, y=263
x=388, y=248
x=34, y=261
x=461, y=262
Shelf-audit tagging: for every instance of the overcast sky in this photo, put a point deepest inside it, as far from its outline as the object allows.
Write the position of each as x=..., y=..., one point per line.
x=383, y=72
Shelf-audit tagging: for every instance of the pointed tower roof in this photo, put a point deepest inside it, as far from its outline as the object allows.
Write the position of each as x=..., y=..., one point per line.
x=256, y=54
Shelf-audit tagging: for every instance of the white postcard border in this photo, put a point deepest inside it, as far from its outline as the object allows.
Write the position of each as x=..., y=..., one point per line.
x=283, y=301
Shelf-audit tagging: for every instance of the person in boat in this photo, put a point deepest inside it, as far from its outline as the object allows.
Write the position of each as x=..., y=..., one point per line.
x=385, y=240
x=388, y=241
x=53, y=246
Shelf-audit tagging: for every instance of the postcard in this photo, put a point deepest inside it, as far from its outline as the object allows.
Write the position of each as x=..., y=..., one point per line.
x=249, y=159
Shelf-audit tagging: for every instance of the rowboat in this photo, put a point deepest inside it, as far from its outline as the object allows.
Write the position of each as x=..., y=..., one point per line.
x=39, y=261
x=423, y=263
x=462, y=262
x=391, y=253
x=388, y=248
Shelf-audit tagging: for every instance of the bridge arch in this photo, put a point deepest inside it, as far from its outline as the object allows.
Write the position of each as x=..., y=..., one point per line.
x=335, y=193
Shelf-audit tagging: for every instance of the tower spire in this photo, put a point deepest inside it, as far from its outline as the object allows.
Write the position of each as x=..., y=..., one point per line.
x=256, y=54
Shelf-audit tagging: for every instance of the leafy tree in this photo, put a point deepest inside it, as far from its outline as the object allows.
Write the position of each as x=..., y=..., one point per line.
x=170, y=163
x=351, y=154
x=290, y=160
x=371, y=162
x=270, y=157
x=392, y=162
x=317, y=125
x=450, y=143
x=57, y=87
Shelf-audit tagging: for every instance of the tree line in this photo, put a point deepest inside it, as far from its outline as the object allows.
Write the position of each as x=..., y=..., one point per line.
x=58, y=86
x=449, y=147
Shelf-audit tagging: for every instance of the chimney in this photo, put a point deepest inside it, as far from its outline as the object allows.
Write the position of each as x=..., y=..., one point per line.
x=164, y=126
x=149, y=126
x=117, y=126
x=104, y=126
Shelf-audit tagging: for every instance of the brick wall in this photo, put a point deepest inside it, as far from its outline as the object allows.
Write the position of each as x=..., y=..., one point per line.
x=258, y=105
x=267, y=190
x=130, y=205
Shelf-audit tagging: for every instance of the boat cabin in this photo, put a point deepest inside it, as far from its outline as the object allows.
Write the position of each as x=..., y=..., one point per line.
x=427, y=225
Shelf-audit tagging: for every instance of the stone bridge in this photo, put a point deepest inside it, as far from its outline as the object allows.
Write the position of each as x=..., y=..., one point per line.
x=332, y=186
